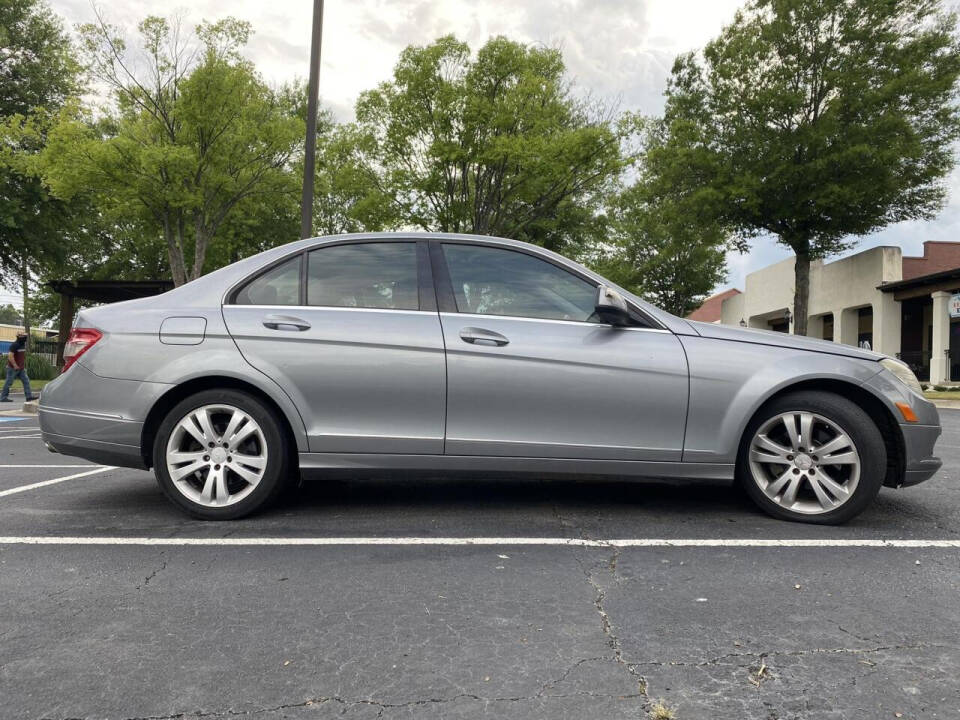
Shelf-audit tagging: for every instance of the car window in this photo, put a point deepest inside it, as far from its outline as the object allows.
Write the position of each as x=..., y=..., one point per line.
x=365, y=275
x=277, y=286
x=492, y=281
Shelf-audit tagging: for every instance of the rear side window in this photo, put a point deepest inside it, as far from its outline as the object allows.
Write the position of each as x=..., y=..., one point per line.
x=492, y=281
x=278, y=286
x=365, y=275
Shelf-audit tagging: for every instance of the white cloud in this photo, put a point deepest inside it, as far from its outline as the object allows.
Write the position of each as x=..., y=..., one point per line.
x=615, y=49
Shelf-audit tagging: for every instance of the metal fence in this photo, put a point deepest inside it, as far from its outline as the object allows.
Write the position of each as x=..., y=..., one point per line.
x=47, y=349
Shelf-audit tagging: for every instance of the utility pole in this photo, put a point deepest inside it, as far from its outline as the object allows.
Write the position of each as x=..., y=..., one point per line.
x=310, y=151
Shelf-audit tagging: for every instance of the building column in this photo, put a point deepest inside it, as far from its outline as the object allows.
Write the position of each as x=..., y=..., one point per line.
x=846, y=326
x=887, y=315
x=939, y=358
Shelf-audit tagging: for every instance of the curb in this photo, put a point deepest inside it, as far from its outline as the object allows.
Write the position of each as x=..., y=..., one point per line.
x=947, y=404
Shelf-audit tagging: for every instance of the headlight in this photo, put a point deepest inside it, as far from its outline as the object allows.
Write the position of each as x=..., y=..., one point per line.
x=904, y=374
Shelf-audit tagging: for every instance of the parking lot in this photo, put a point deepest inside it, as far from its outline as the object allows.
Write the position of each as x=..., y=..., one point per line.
x=413, y=597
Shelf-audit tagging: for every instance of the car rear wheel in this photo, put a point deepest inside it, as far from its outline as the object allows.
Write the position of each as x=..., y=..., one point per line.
x=812, y=457
x=220, y=455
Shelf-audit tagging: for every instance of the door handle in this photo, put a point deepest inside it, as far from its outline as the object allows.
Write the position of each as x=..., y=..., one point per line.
x=285, y=322
x=479, y=336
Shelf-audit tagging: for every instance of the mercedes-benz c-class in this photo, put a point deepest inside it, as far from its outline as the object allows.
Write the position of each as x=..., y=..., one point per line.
x=452, y=353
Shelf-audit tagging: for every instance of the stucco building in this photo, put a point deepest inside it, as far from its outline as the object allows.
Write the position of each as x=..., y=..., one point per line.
x=908, y=307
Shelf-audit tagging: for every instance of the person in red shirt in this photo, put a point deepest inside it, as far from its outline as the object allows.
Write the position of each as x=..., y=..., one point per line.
x=17, y=368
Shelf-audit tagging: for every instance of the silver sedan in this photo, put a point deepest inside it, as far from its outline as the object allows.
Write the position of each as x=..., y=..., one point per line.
x=460, y=353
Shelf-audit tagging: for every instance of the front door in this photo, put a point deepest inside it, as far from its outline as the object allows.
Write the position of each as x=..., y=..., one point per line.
x=350, y=331
x=531, y=371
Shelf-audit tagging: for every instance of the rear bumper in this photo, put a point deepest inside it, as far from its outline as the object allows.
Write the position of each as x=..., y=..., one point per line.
x=102, y=453
x=97, y=418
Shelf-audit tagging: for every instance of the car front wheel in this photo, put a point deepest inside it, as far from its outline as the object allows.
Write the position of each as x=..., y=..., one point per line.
x=220, y=455
x=812, y=457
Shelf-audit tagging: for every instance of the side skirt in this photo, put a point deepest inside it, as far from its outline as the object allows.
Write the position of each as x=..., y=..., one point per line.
x=317, y=463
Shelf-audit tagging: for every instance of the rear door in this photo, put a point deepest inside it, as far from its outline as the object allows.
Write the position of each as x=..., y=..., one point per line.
x=351, y=332
x=532, y=372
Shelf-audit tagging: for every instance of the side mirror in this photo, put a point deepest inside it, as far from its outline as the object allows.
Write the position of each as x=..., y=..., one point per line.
x=611, y=307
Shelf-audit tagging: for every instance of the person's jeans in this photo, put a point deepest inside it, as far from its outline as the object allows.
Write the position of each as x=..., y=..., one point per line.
x=11, y=375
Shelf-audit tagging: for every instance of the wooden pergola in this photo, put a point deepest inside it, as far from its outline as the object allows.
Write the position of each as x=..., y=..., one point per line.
x=100, y=292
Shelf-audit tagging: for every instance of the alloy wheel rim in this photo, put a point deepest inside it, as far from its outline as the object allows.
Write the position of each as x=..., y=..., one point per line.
x=804, y=462
x=216, y=455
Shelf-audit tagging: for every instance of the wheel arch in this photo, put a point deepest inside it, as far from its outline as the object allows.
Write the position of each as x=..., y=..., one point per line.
x=169, y=399
x=866, y=401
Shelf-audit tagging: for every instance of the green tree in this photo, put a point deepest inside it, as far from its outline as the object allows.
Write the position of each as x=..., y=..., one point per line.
x=660, y=252
x=38, y=73
x=664, y=240
x=189, y=136
x=818, y=120
x=9, y=315
x=349, y=195
x=101, y=249
x=493, y=144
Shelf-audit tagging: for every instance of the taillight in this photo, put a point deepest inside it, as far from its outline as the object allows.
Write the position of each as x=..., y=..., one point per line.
x=79, y=341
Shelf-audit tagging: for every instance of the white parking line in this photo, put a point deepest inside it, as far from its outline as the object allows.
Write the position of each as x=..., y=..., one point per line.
x=18, y=437
x=48, y=466
x=479, y=541
x=44, y=483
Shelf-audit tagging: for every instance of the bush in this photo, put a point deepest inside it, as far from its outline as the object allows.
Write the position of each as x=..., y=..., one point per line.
x=38, y=368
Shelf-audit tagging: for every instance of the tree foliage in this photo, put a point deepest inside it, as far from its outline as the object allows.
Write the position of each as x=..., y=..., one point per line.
x=38, y=73
x=190, y=136
x=493, y=144
x=37, y=64
x=816, y=120
x=664, y=240
x=9, y=315
x=349, y=195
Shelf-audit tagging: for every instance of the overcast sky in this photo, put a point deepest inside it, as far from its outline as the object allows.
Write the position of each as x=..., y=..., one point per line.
x=616, y=49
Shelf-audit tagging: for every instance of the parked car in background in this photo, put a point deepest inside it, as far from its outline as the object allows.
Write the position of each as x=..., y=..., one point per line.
x=452, y=353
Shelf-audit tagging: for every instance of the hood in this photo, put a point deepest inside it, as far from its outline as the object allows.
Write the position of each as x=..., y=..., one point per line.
x=779, y=339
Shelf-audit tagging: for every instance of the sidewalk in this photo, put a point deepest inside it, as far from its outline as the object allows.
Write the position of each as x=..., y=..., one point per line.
x=19, y=406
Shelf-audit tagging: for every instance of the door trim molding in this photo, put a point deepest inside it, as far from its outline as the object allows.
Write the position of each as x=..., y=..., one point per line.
x=319, y=462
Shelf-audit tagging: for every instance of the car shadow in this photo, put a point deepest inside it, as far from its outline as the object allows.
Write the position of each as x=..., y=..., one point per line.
x=410, y=505
x=459, y=494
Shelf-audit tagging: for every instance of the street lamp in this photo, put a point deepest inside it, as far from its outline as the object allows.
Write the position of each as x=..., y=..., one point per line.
x=310, y=150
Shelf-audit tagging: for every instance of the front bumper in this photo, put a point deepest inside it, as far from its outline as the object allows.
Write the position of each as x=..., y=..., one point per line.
x=920, y=462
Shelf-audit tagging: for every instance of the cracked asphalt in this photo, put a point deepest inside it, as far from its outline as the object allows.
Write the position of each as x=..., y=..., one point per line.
x=120, y=631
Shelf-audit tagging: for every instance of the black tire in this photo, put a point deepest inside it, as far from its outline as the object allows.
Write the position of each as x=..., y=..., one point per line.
x=275, y=473
x=848, y=416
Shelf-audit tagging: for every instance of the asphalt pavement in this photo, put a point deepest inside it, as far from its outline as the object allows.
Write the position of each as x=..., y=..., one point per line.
x=128, y=609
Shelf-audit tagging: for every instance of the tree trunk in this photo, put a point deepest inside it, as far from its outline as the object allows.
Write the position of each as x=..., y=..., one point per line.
x=66, y=323
x=801, y=292
x=25, y=282
x=174, y=254
x=200, y=242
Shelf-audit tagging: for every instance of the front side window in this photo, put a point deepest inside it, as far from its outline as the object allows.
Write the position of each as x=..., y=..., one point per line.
x=493, y=281
x=278, y=286
x=365, y=275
